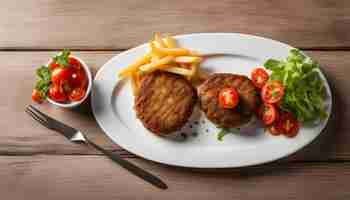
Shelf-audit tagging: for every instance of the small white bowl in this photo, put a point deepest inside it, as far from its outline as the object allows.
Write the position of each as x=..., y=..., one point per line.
x=88, y=90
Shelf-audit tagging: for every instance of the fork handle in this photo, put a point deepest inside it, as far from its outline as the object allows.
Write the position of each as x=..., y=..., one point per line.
x=131, y=167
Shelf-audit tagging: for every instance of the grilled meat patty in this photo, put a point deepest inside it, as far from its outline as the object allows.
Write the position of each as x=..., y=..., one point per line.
x=208, y=93
x=165, y=102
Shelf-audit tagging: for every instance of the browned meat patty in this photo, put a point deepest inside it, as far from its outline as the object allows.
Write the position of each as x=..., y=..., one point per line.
x=227, y=118
x=165, y=102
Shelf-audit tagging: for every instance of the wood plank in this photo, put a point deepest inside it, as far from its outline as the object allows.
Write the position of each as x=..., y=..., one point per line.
x=117, y=24
x=95, y=177
x=21, y=135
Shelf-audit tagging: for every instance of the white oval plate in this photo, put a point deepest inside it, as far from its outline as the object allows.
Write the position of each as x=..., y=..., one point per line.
x=112, y=104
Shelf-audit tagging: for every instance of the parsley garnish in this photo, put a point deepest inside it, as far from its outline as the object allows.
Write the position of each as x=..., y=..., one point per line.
x=62, y=58
x=225, y=131
x=43, y=81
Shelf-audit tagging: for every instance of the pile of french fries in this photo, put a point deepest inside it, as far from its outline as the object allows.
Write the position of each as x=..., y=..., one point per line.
x=164, y=55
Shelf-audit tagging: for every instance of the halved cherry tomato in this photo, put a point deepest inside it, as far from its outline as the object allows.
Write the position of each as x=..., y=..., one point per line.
x=56, y=93
x=268, y=113
x=77, y=94
x=272, y=92
x=60, y=74
x=36, y=96
x=259, y=77
x=228, y=98
x=289, y=124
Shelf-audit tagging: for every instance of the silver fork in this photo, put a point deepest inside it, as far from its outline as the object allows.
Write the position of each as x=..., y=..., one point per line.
x=75, y=135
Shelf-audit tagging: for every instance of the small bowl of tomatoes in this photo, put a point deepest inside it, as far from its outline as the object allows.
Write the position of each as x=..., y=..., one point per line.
x=65, y=82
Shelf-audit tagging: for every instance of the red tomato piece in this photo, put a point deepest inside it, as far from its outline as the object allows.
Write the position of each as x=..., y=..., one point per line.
x=289, y=124
x=57, y=94
x=272, y=92
x=274, y=129
x=36, y=96
x=228, y=98
x=77, y=94
x=66, y=86
x=268, y=113
x=60, y=74
x=259, y=77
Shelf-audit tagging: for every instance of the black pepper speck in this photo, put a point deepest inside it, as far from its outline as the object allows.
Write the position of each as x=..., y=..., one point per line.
x=184, y=135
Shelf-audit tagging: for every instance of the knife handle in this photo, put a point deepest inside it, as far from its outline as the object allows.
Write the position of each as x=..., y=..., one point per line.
x=131, y=167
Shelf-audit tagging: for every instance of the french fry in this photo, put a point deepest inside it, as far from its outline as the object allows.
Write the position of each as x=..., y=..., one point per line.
x=170, y=51
x=154, y=58
x=185, y=65
x=188, y=59
x=194, y=70
x=135, y=66
x=165, y=55
x=179, y=70
x=169, y=41
x=159, y=64
x=155, y=54
x=138, y=78
x=134, y=83
x=174, y=51
x=158, y=41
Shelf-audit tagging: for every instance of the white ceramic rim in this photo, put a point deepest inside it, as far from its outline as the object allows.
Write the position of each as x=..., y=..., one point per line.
x=88, y=90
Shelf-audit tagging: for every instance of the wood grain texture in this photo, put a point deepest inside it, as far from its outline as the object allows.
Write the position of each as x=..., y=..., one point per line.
x=118, y=24
x=94, y=177
x=22, y=136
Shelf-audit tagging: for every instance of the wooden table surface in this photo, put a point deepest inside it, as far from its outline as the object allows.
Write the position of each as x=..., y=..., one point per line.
x=36, y=163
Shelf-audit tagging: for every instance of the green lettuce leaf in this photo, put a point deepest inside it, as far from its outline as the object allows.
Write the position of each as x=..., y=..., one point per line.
x=304, y=88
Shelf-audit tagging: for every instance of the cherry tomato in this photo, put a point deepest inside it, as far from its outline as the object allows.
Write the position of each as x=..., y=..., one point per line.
x=36, y=96
x=268, y=113
x=60, y=74
x=77, y=94
x=274, y=129
x=74, y=63
x=272, y=92
x=56, y=93
x=78, y=78
x=228, y=98
x=259, y=77
x=288, y=124
x=53, y=66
